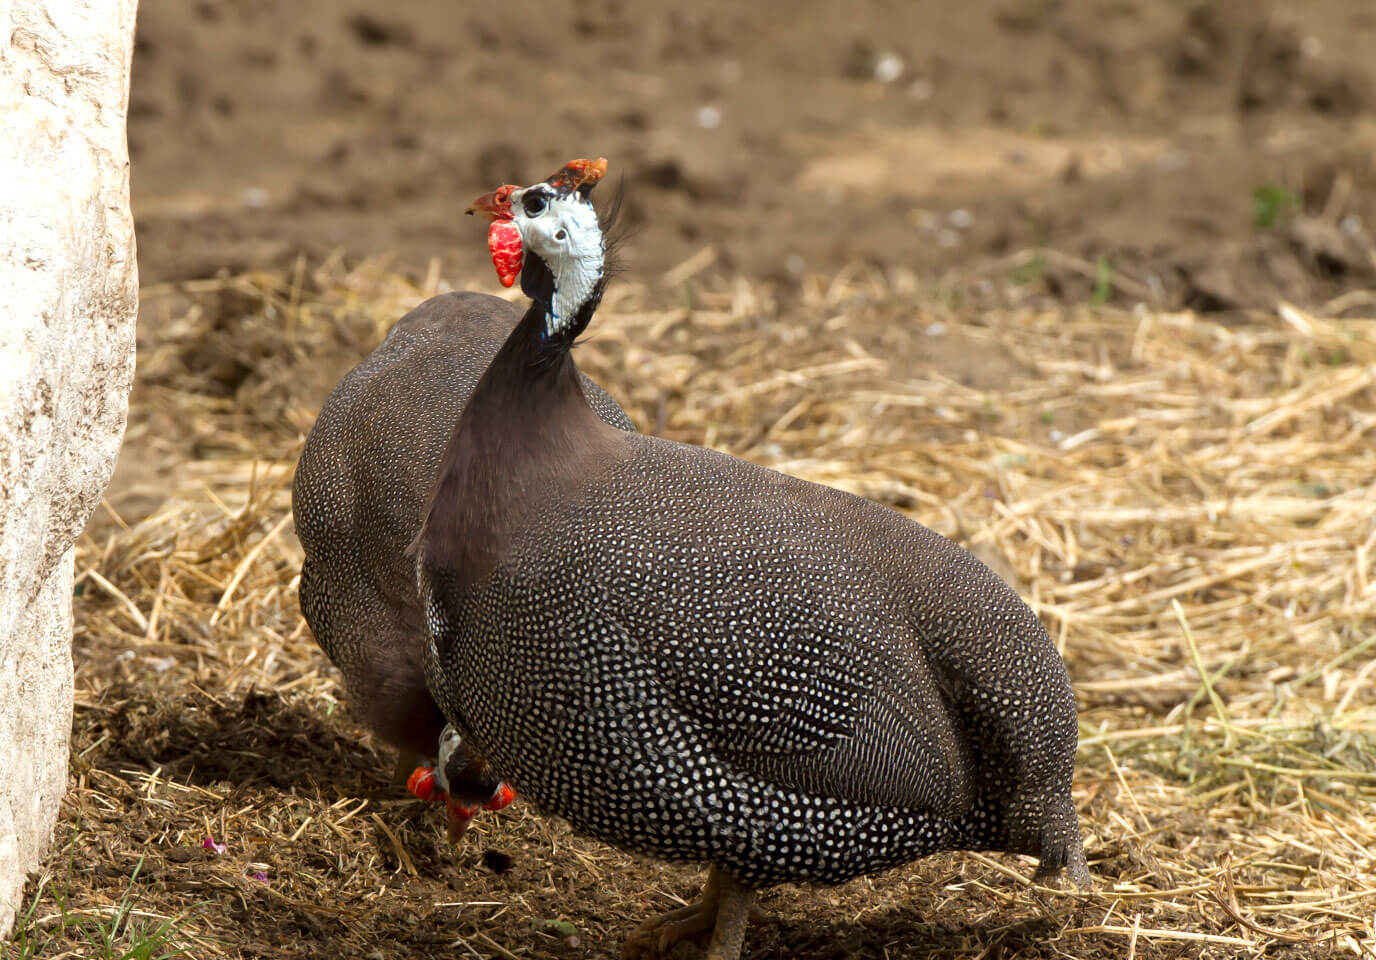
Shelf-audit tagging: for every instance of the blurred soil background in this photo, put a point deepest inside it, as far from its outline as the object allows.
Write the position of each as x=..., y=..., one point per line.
x=786, y=136
x=1087, y=286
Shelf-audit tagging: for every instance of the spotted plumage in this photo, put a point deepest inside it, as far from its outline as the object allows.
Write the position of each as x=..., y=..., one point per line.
x=700, y=659
x=359, y=493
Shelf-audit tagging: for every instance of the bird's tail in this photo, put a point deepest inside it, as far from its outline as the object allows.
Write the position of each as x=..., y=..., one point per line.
x=1061, y=853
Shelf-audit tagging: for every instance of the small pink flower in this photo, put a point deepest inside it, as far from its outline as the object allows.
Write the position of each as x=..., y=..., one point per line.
x=209, y=844
x=260, y=876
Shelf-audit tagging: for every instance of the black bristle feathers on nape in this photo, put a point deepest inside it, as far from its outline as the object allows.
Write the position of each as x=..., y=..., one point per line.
x=615, y=231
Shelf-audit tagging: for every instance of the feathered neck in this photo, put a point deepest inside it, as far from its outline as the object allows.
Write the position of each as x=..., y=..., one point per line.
x=561, y=308
x=520, y=439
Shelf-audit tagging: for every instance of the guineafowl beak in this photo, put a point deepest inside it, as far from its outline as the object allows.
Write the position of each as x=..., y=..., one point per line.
x=458, y=820
x=503, y=239
x=461, y=816
x=495, y=205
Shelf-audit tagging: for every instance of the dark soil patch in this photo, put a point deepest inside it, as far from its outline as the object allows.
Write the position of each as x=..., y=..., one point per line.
x=1122, y=133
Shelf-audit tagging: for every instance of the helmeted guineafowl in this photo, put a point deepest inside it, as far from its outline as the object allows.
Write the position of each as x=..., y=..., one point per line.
x=359, y=493
x=700, y=659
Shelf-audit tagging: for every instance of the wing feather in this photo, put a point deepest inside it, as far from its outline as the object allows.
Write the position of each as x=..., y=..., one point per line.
x=815, y=687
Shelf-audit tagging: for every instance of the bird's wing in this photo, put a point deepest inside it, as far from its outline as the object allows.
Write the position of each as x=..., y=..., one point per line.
x=791, y=655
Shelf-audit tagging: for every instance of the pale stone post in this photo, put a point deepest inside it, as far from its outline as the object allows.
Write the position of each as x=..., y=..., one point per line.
x=68, y=296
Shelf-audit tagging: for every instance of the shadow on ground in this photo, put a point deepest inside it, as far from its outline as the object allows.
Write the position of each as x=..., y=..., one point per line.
x=262, y=740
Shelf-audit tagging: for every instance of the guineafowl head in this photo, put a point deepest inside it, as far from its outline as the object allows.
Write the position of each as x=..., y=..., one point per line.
x=550, y=234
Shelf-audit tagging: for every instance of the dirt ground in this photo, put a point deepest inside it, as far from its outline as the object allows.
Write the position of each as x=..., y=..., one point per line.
x=895, y=247
x=937, y=138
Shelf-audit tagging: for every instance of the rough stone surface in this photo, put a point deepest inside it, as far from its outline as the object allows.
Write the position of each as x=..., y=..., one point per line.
x=68, y=297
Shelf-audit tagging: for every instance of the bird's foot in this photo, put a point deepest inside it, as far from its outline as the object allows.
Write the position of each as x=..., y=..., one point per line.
x=724, y=907
x=658, y=935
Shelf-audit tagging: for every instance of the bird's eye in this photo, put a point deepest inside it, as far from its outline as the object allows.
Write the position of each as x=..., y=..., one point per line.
x=534, y=204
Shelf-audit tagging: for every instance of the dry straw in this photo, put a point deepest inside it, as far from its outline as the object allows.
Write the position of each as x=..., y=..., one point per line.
x=1187, y=502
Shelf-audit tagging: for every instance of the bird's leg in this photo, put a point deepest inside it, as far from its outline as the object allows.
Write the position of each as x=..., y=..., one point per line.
x=657, y=936
x=733, y=912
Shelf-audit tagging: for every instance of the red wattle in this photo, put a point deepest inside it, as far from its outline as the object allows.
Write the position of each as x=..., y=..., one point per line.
x=422, y=784
x=501, y=798
x=504, y=243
